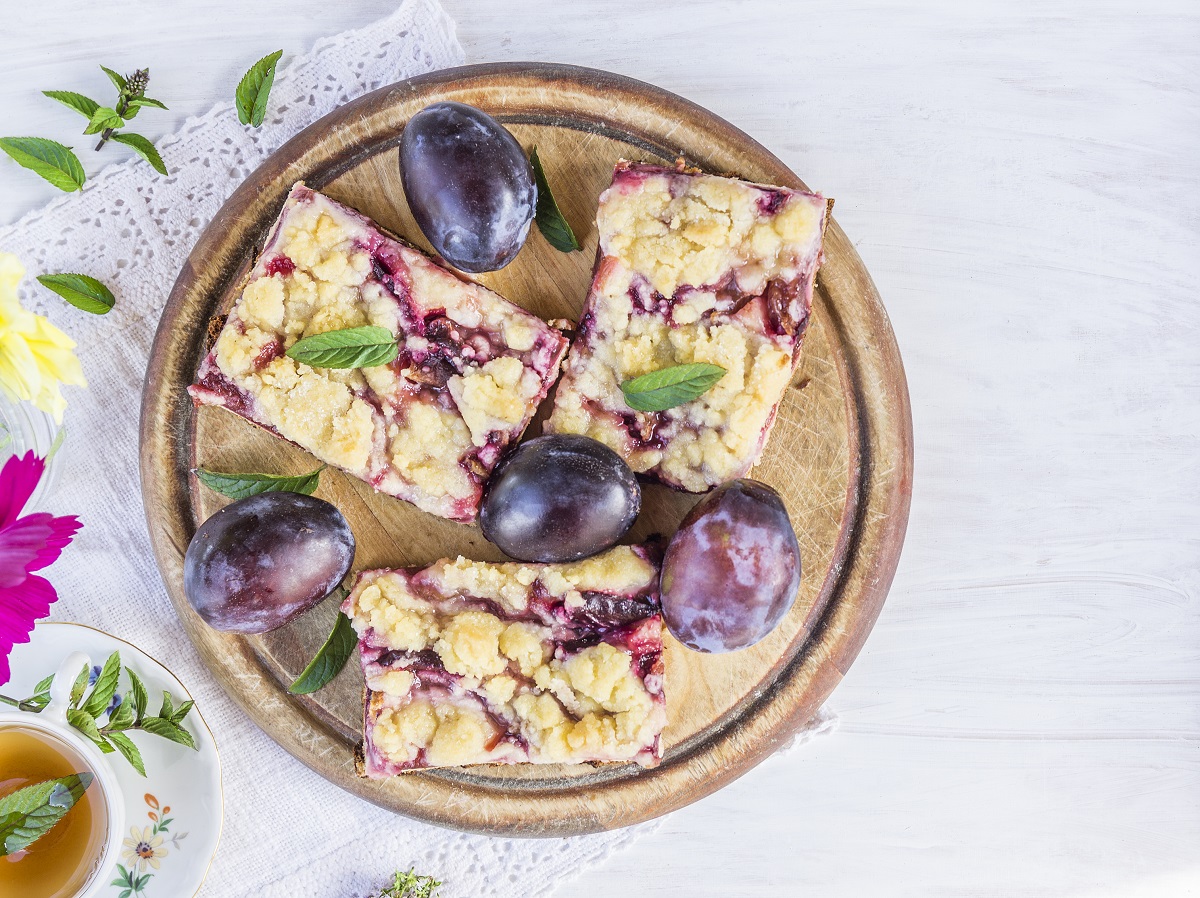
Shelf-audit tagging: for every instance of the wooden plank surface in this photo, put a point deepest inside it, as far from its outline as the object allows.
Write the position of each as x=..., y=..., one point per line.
x=1021, y=180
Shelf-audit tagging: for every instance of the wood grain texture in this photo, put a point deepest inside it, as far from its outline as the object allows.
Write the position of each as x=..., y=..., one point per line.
x=840, y=456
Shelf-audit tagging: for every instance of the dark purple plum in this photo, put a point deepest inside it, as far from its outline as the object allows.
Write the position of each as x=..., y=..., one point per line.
x=560, y=498
x=469, y=184
x=263, y=561
x=732, y=569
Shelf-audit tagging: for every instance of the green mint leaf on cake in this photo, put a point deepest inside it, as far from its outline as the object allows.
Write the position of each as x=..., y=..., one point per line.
x=239, y=486
x=48, y=158
x=666, y=388
x=354, y=347
x=143, y=148
x=28, y=814
x=85, y=106
x=81, y=291
x=330, y=658
x=254, y=90
x=549, y=218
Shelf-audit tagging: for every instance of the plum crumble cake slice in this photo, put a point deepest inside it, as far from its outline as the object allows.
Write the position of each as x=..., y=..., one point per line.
x=428, y=427
x=475, y=663
x=692, y=268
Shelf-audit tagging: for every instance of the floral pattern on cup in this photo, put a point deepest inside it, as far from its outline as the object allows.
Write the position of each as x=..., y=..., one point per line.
x=145, y=848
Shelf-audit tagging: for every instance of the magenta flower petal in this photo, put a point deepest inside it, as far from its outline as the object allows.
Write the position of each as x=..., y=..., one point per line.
x=18, y=478
x=31, y=543
x=27, y=544
x=34, y=542
x=20, y=608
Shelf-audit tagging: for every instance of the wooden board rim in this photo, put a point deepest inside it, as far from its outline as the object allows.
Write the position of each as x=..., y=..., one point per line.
x=875, y=517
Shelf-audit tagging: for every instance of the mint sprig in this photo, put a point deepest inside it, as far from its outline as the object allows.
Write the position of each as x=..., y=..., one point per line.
x=666, y=388
x=330, y=658
x=353, y=347
x=64, y=169
x=548, y=216
x=239, y=486
x=254, y=90
x=81, y=291
x=106, y=718
x=28, y=814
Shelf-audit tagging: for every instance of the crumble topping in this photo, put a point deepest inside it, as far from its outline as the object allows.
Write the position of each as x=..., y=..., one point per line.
x=693, y=268
x=428, y=427
x=680, y=229
x=485, y=678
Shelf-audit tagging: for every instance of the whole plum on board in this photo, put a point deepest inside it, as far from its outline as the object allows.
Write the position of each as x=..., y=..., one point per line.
x=263, y=561
x=469, y=184
x=560, y=497
x=732, y=569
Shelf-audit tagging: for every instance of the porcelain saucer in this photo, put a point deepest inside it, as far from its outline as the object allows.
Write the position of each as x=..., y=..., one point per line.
x=173, y=815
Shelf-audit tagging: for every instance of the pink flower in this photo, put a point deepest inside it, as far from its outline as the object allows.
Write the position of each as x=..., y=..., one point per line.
x=27, y=544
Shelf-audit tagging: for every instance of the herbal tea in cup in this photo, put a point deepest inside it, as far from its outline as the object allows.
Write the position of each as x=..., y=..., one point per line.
x=62, y=861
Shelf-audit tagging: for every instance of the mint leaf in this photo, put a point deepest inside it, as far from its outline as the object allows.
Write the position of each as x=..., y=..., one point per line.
x=118, y=80
x=137, y=693
x=50, y=159
x=143, y=148
x=105, y=688
x=85, y=723
x=130, y=751
x=138, y=102
x=104, y=117
x=254, y=90
x=239, y=486
x=549, y=218
x=43, y=685
x=121, y=718
x=81, y=104
x=28, y=814
x=81, y=291
x=354, y=347
x=669, y=387
x=79, y=685
x=182, y=711
x=329, y=660
x=161, y=727
x=167, y=709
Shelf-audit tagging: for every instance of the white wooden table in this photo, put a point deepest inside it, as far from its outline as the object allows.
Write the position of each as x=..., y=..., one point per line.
x=1022, y=179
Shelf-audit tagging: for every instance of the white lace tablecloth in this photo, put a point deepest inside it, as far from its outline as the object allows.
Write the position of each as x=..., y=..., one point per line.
x=287, y=832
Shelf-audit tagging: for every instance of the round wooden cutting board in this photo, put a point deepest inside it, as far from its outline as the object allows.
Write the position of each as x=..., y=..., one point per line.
x=840, y=454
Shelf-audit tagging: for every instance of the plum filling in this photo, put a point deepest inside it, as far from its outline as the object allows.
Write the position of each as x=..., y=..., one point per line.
x=280, y=265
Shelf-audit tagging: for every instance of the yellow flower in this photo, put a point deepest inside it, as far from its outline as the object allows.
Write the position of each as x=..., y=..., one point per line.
x=144, y=849
x=35, y=356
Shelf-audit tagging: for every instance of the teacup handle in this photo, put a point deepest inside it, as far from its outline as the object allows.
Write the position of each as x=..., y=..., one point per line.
x=60, y=689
